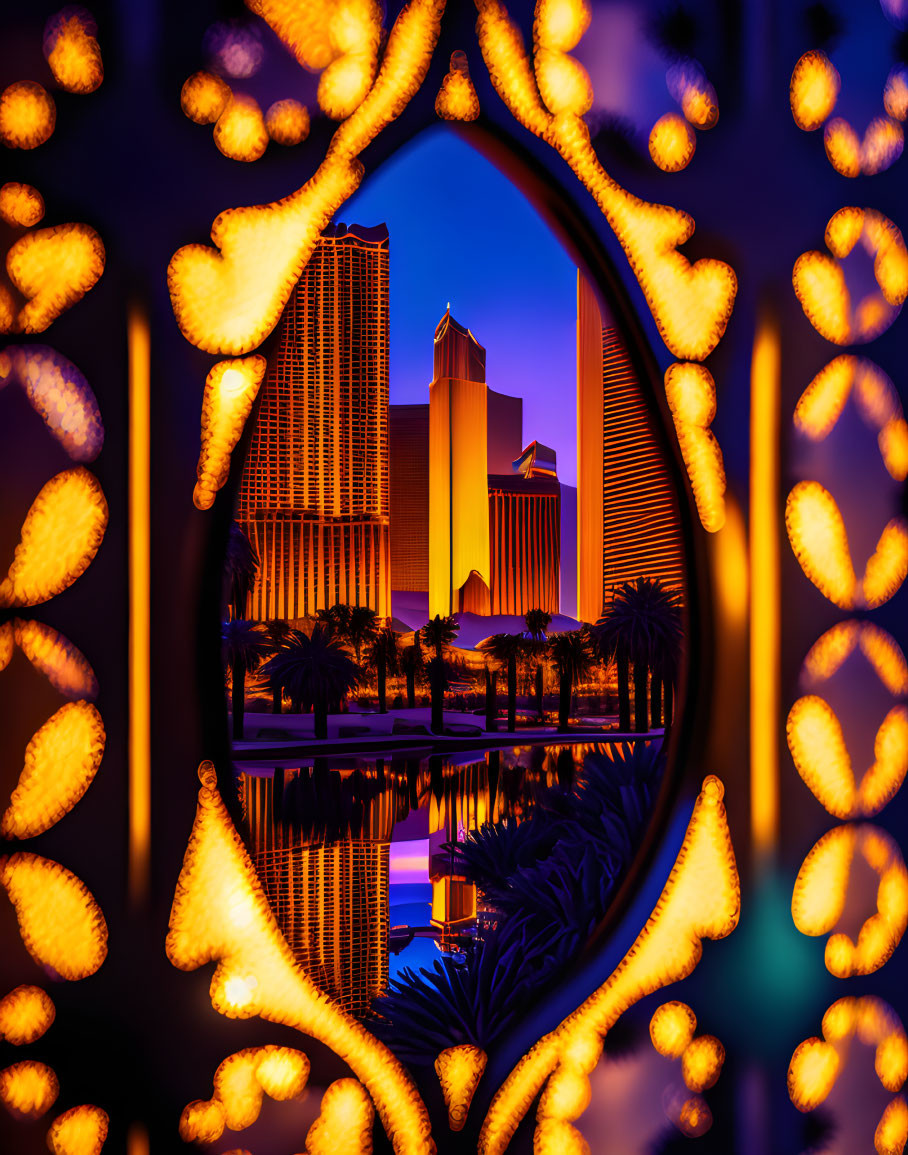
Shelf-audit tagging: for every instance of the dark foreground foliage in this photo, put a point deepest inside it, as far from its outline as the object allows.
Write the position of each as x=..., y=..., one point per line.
x=550, y=879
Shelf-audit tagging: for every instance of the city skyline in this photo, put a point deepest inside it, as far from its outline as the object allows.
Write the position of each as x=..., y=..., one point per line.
x=508, y=278
x=484, y=519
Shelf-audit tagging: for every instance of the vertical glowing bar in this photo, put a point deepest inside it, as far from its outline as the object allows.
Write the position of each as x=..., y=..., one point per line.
x=139, y=606
x=764, y=587
x=137, y=1140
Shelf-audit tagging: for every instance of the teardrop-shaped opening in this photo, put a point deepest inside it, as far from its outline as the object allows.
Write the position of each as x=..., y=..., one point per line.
x=459, y=604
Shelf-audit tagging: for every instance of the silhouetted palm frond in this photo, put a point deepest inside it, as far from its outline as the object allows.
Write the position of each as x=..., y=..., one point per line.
x=439, y=632
x=475, y=999
x=495, y=852
x=241, y=564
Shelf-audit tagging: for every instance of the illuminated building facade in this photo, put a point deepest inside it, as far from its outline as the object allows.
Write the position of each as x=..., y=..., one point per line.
x=525, y=542
x=627, y=518
x=409, y=460
x=409, y=470
x=314, y=496
x=459, y=564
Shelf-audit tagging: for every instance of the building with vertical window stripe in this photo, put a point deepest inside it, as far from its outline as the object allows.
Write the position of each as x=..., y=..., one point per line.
x=627, y=515
x=314, y=495
x=409, y=458
x=525, y=543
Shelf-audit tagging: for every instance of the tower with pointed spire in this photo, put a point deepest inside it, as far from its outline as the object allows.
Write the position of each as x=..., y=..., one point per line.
x=459, y=564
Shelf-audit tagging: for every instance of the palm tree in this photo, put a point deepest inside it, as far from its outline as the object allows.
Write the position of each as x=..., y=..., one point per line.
x=411, y=661
x=439, y=632
x=362, y=627
x=608, y=637
x=491, y=698
x=277, y=631
x=335, y=619
x=313, y=669
x=573, y=660
x=643, y=627
x=504, y=650
x=244, y=645
x=438, y=683
x=240, y=567
x=538, y=621
x=665, y=667
x=384, y=655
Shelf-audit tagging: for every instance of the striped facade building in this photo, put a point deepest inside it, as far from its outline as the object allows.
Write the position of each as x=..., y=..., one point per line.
x=328, y=894
x=627, y=515
x=525, y=543
x=314, y=496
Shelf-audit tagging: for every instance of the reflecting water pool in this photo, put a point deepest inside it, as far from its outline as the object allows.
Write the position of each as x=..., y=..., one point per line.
x=439, y=894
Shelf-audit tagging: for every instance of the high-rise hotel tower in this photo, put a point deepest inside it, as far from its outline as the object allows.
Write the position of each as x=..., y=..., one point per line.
x=314, y=495
x=627, y=517
x=459, y=564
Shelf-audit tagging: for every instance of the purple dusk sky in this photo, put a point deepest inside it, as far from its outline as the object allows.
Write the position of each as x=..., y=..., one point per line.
x=461, y=232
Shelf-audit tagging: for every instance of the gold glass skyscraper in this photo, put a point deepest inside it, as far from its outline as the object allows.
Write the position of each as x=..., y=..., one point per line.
x=314, y=495
x=459, y=563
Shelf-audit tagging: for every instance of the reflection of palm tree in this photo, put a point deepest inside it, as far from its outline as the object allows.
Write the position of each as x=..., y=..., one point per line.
x=411, y=662
x=313, y=669
x=240, y=567
x=439, y=632
x=643, y=627
x=384, y=655
x=504, y=650
x=277, y=631
x=244, y=645
x=571, y=654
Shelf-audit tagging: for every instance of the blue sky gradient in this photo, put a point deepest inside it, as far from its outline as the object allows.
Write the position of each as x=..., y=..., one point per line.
x=460, y=231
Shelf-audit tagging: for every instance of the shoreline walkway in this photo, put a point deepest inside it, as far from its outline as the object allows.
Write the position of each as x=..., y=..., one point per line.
x=298, y=740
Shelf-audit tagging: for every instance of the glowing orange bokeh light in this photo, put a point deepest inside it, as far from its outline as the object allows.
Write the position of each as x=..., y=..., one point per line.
x=73, y=52
x=53, y=269
x=60, y=922
x=60, y=536
x=27, y=115
x=21, y=205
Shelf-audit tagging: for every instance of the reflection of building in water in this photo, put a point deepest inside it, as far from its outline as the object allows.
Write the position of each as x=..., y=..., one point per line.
x=320, y=840
x=314, y=494
x=459, y=801
x=627, y=517
x=330, y=898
